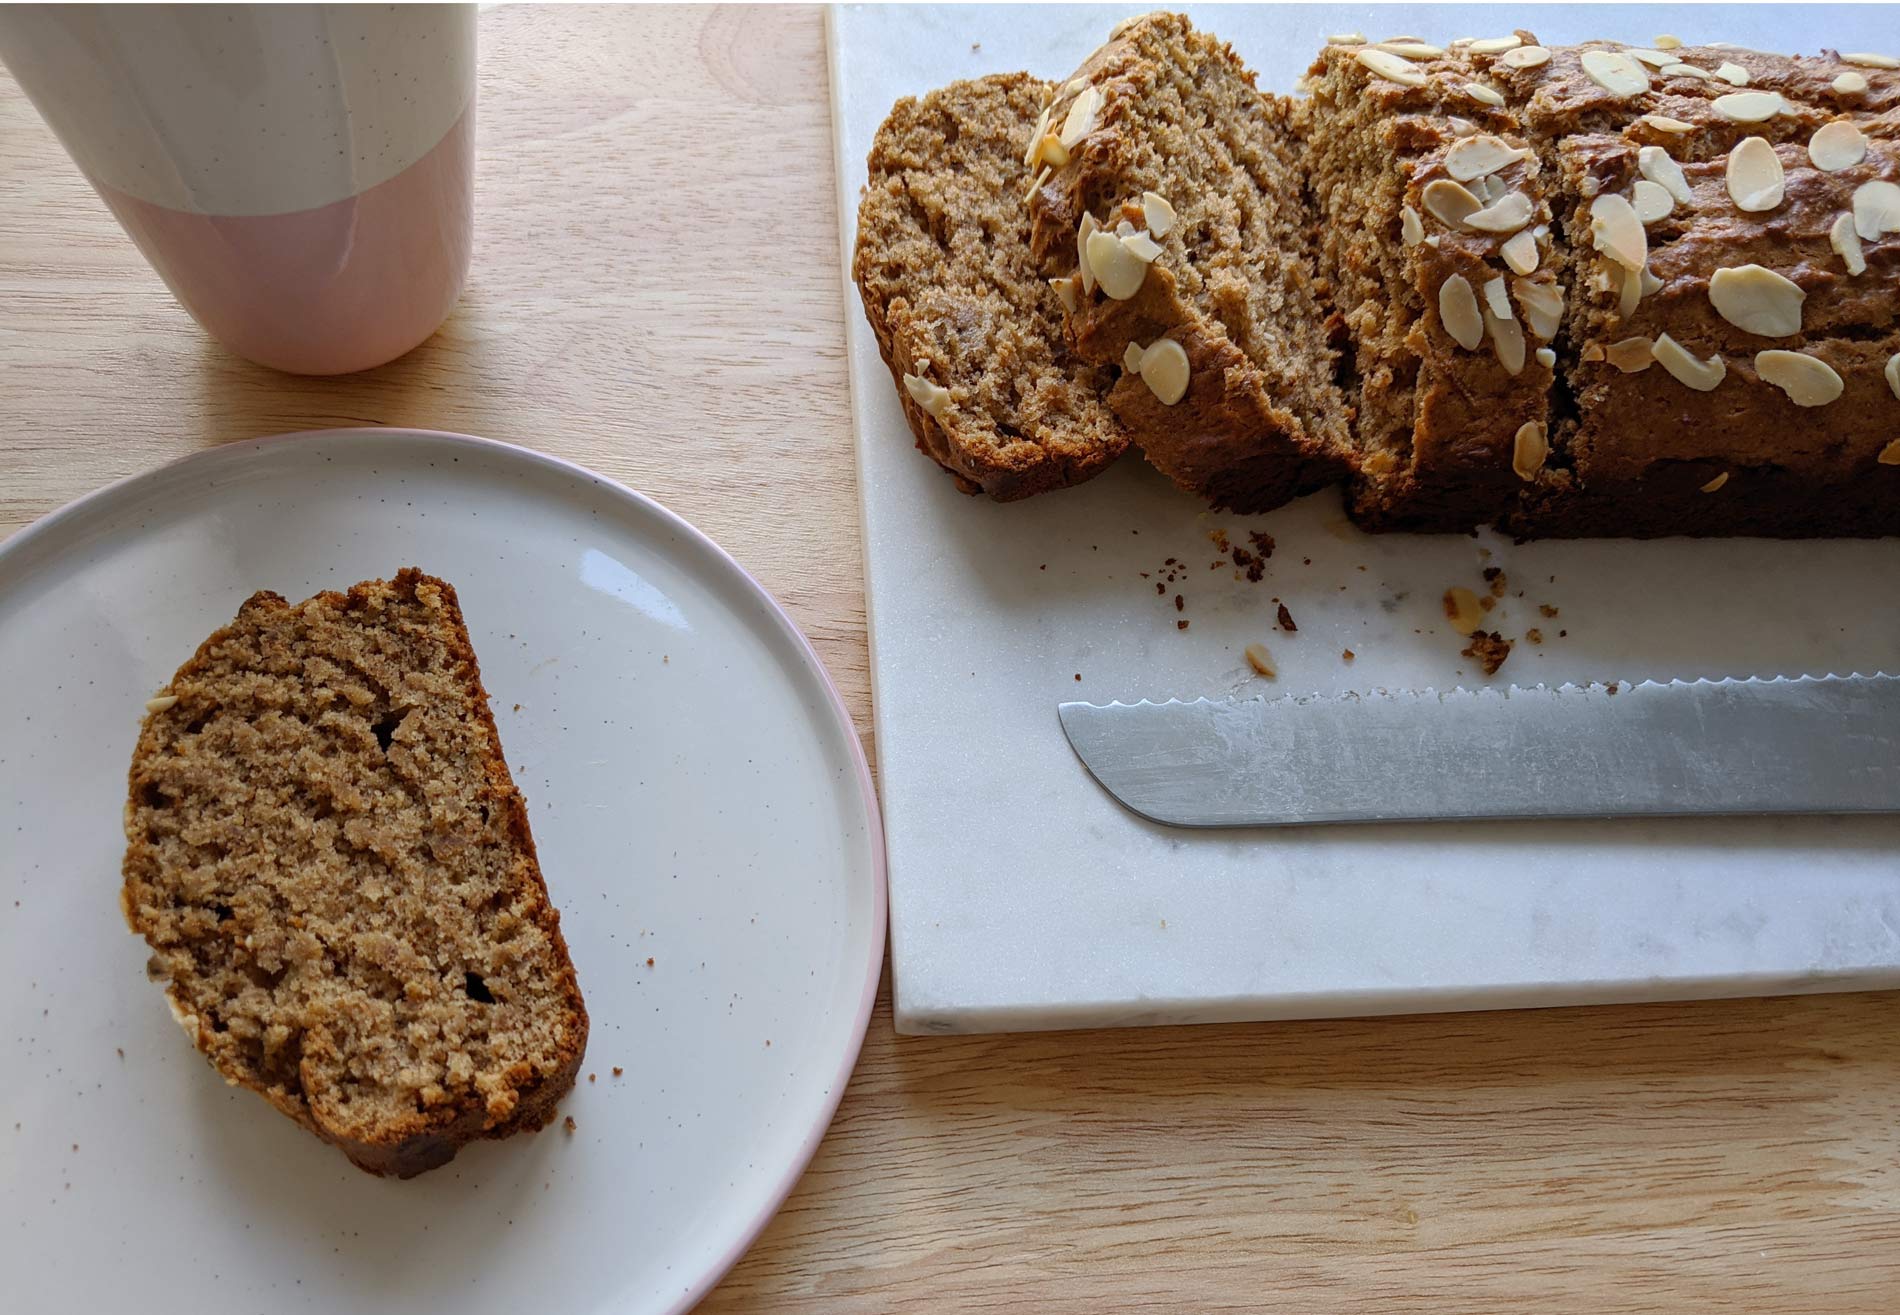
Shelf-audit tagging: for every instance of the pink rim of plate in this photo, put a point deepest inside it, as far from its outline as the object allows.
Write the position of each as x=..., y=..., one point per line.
x=848, y=1063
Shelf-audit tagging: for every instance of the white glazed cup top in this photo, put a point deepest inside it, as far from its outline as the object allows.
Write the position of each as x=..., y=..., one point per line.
x=300, y=175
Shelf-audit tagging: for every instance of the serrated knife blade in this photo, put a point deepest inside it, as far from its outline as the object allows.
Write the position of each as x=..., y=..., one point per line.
x=1807, y=744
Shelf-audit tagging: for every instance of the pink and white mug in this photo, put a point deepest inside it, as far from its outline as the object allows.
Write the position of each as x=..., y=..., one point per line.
x=301, y=176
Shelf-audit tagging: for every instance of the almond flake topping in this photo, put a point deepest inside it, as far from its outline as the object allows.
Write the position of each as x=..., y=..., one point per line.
x=1412, y=230
x=1480, y=92
x=1846, y=244
x=1617, y=233
x=1702, y=376
x=1616, y=72
x=1687, y=71
x=1631, y=355
x=1528, y=451
x=1477, y=157
x=1450, y=203
x=1850, y=84
x=1807, y=380
x=1520, y=253
x=1866, y=60
x=1389, y=66
x=1650, y=201
x=1525, y=57
x=1756, y=180
x=1836, y=146
x=1660, y=168
x=1081, y=120
x=1876, y=209
x=1733, y=74
x=1715, y=483
x=1507, y=214
x=1496, y=45
x=1757, y=300
x=1458, y=308
x=1750, y=106
x=1663, y=123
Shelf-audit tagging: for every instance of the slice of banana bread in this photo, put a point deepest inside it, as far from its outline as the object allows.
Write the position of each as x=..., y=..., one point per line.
x=334, y=871
x=1437, y=242
x=966, y=323
x=1170, y=206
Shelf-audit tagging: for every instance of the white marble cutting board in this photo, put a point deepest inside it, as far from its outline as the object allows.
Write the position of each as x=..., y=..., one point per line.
x=1022, y=896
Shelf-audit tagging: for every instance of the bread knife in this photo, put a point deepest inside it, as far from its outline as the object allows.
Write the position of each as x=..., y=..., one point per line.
x=1806, y=744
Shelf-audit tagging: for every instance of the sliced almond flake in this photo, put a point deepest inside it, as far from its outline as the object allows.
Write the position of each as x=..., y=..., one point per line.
x=1667, y=42
x=1035, y=184
x=1757, y=300
x=1125, y=228
x=1807, y=380
x=1507, y=214
x=1389, y=66
x=1144, y=247
x=1663, y=123
x=1650, y=201
x=1461, y=127
x=1750, y=106
x=1085, y=230
x=1260, y=660
x=1052, y=150
x=1065, y=290
x=1433, y=240
x=1687, y=71
x=1850, y=84
x=1733, y=74
x=1547, y=358
x=1631, y=355
x=1890, y=454
x=1478, y=91
x=1616, y=72
x=1525, y=57
x=1589, y=187
x=1164, y=368
x=1412, y=229
x=1629, y=292
x=1462, y=609
x=1035, y=139
x=1542, y=304
x=1846, y=244
x=161, y=702
x=1660, y=168
x=1119, y=263
x=1529, y=450
x=1507, y=339
x=1866, y=60
x=1893, y=374
x=1715, y=483
x=1414, y=50
x=1458, y=308
x=1616, y=232
x=1496, y=45
x=1479, y=157
x=1651, y=284
x=1346, y=39
x=1702, y=376
x=1131, y=357
x=1836, y=146
x=1159, y=214
x=1081, y=120
x=1653, y=58
x=1592, y=352
x=1876, y=209
x=1494, y=188
x=1450, y=203
x=1498, y=298
x=934, y=399
x=1520, y=253
x=1756, y=180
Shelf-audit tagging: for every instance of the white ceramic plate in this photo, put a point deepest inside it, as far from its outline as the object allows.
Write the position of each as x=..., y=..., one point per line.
x=705, y=824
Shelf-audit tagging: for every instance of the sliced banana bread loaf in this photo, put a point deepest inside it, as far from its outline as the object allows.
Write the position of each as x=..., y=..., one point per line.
x=1169, y=207
x=335, y=874
x=1731, y=362
x=968, y=326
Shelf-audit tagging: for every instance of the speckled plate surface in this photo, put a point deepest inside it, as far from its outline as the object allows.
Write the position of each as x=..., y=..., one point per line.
x=705, y=824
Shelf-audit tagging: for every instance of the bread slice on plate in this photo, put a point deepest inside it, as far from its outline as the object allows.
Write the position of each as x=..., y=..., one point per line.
x=1171, y=204
x=971, y=331
x=334, y=870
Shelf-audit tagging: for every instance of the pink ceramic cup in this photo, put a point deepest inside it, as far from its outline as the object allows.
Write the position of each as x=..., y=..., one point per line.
x=301, y=176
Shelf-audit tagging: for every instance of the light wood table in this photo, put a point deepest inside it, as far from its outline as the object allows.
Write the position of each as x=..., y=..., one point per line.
x=656, y=294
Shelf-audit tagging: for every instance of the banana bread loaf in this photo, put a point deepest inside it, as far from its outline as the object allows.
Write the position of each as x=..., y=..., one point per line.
x=970, y=330
x=1169, y=208
x=334, y=871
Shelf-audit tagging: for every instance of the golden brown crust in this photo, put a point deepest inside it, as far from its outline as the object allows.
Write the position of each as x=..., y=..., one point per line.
x=317, y=893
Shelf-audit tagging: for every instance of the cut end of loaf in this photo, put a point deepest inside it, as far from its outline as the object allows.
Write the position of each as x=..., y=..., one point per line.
x=334, y=870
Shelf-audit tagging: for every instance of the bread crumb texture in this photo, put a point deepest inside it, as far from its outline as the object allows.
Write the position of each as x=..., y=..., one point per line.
x=334, y=870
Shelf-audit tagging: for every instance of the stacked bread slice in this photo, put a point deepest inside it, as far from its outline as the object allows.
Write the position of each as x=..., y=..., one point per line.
x=1590, y=290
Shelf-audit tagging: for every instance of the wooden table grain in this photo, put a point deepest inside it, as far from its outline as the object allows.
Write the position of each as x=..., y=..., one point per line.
x=656, y=294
